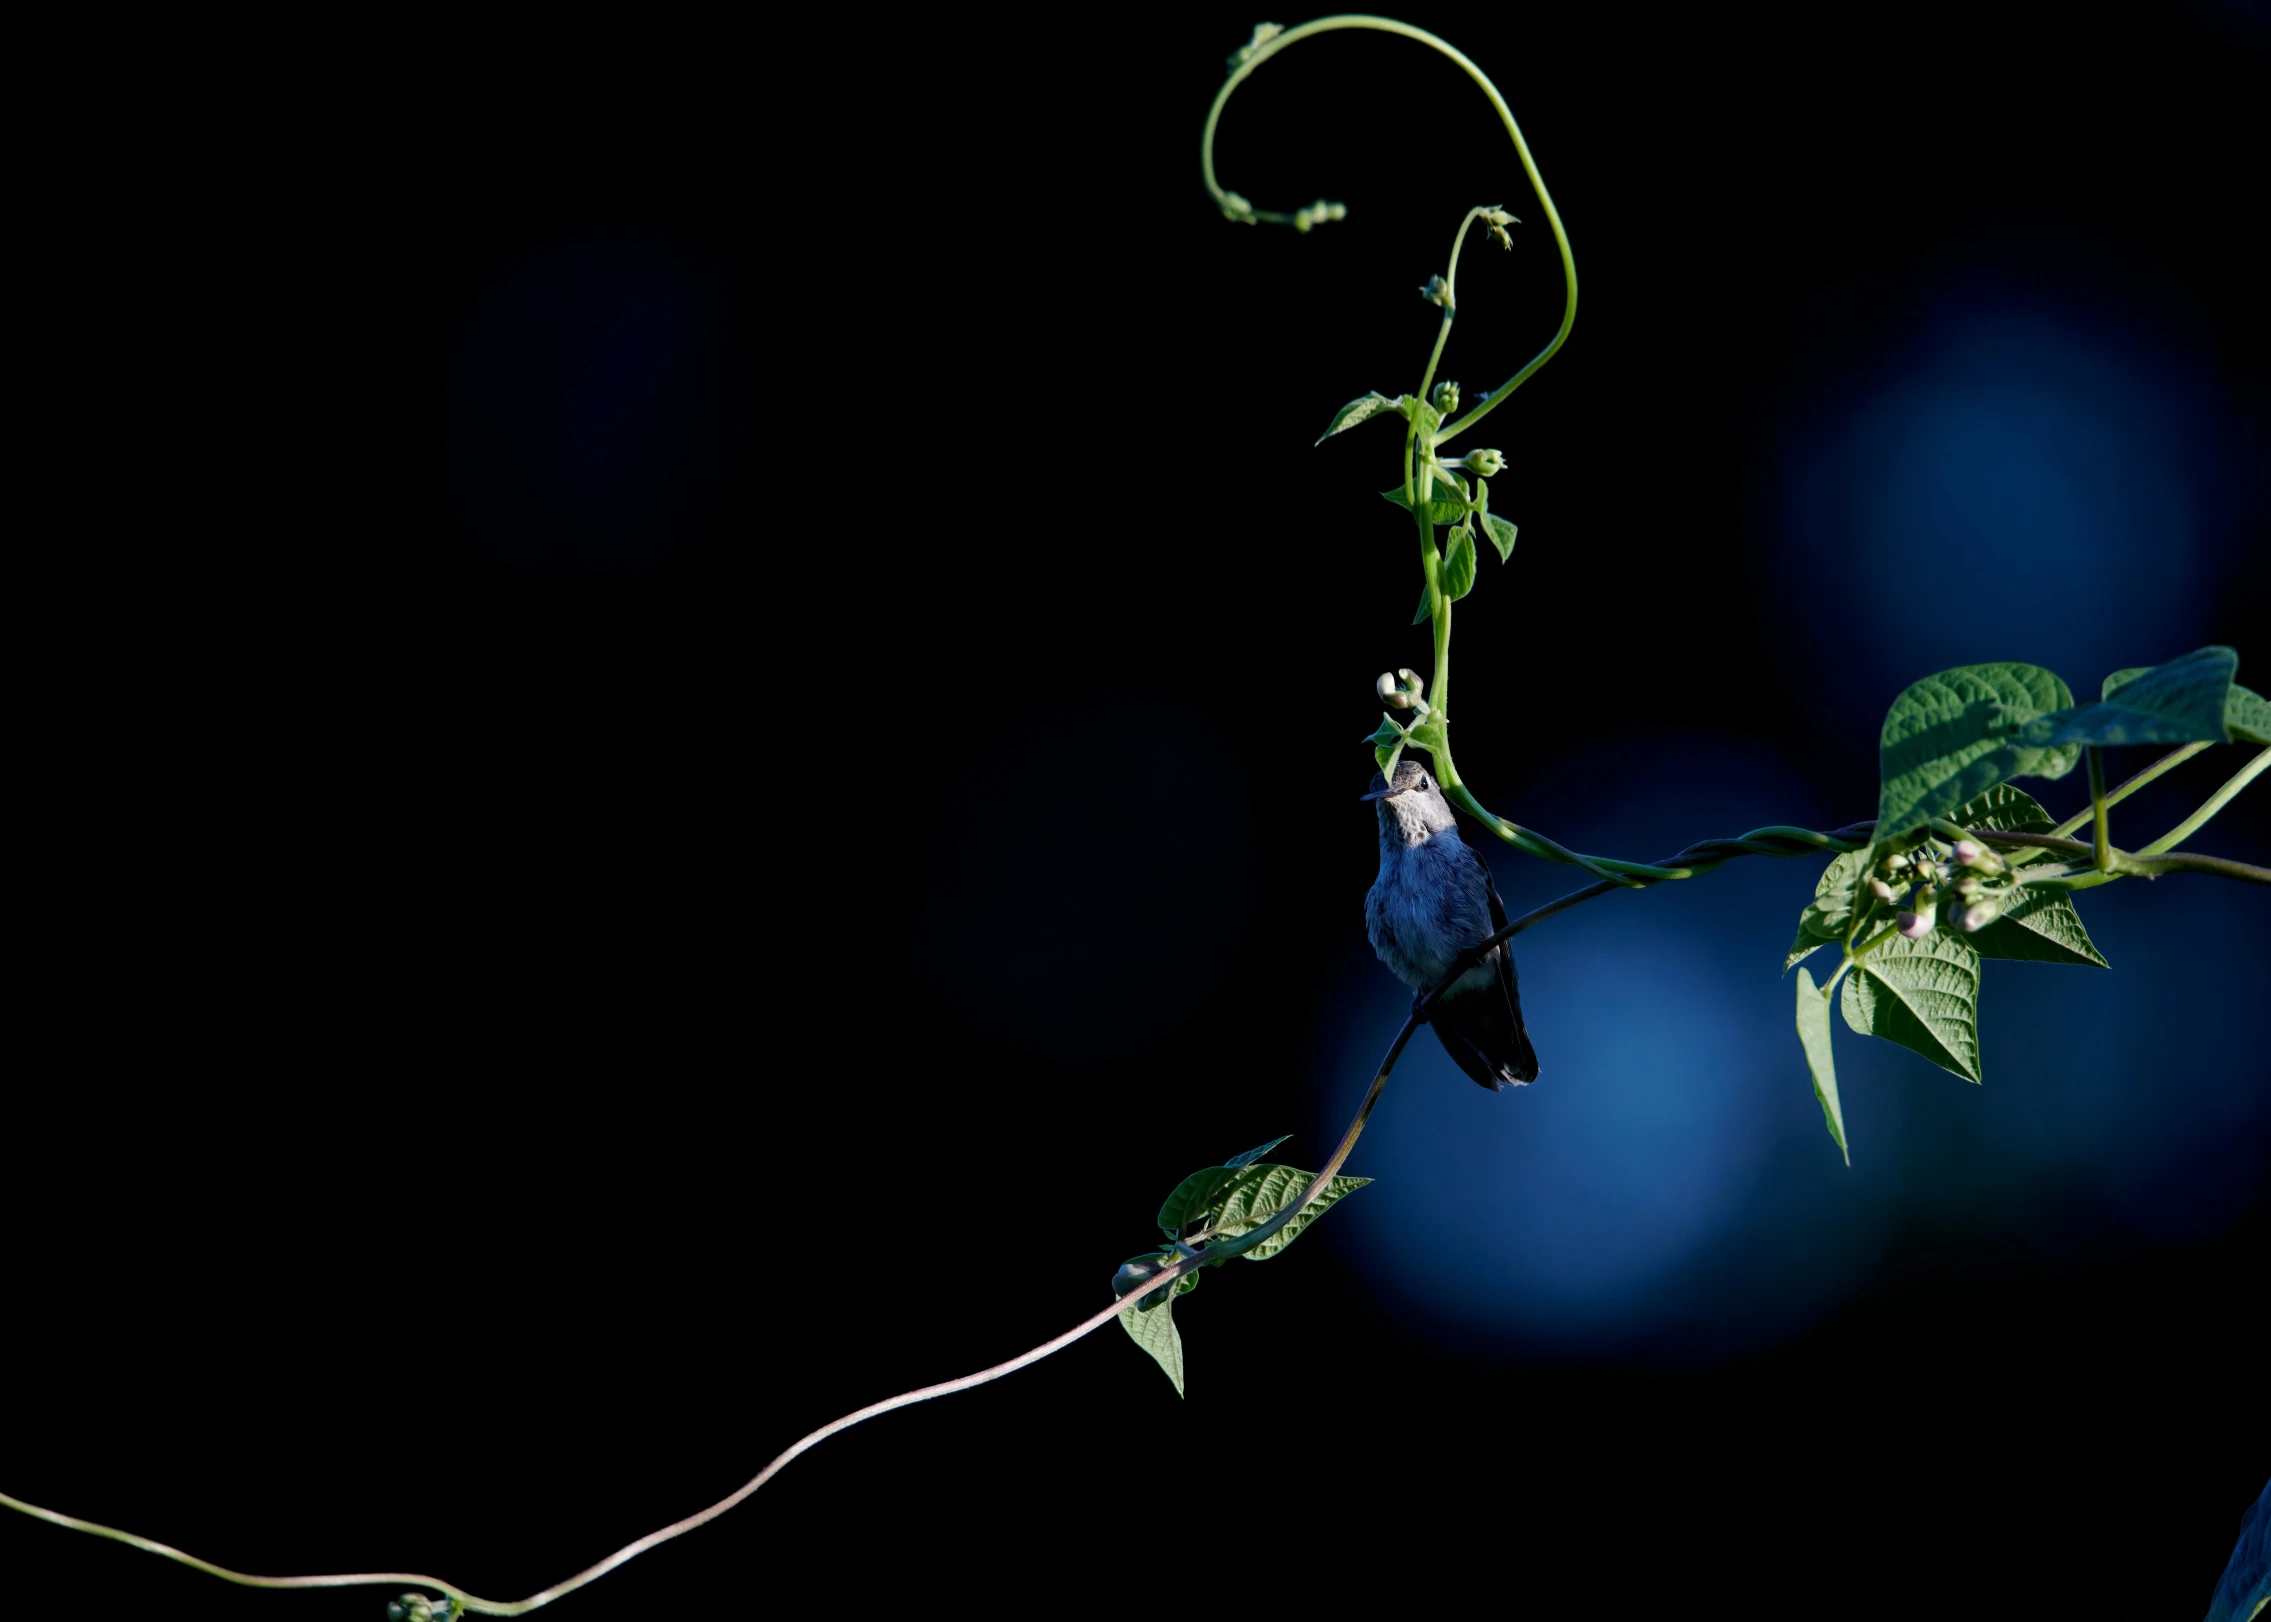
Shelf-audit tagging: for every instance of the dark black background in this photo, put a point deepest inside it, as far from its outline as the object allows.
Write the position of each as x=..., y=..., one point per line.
x=505, y=1053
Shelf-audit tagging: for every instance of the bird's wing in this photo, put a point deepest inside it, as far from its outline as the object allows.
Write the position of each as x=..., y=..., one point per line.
x=1520, y=1059
x=1497, y=923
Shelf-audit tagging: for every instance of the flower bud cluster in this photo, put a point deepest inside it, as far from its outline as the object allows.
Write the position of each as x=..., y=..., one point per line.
x=1964, y=886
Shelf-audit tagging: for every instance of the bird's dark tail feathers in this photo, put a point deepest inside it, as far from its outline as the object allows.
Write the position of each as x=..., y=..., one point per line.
x=1482, y=1030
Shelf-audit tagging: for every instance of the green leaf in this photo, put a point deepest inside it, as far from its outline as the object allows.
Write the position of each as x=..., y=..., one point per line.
x=1257, y=1193
x=1153, y=1328
x=1832, y=907
x=1193, y=1199
x=1426, y=610
x=2182, y=701
x=1458, y=576
x=1501, y=535
x=1356, y=411
x=1813, y=1036
x=1446, y=505
x=2247, y=715
x=1805, y=946
x=1427, y=735
x=2011, y=810
x=2040, y=927
x=1387, y=743
x=1951, y=735
x=1251, y=1155
x=2121, y=678
x=1424, y=418
x=1923, y=994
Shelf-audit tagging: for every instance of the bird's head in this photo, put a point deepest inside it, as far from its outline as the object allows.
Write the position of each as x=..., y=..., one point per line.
x=1411, y=778
x=1411, y=808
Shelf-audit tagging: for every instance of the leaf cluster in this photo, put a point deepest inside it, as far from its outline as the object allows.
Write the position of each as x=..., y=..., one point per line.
x=1218, y=1205
x=1948, y=747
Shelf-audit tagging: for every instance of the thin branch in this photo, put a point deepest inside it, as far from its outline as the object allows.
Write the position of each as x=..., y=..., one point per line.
x=1225, y=1250
x=2121, y=862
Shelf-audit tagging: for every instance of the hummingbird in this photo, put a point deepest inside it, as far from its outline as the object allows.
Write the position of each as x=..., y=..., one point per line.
x=1432, y=901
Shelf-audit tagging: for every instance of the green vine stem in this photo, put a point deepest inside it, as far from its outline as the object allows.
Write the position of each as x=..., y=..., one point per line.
x=1267, y=45
x=2101, y=837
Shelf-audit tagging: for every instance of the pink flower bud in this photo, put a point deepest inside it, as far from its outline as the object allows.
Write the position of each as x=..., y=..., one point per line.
x=1967, y=852
x=1978, y=917
x=1915, y=925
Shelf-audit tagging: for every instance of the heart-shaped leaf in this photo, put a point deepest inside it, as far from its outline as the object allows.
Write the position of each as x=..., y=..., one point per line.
x=1153, y=1328
x=1501, y=535
x=1363, y=409
x=1257, y=1193
x=1923, y=994
x=1458, y=575
x=1951, y=735
x=1831, y=909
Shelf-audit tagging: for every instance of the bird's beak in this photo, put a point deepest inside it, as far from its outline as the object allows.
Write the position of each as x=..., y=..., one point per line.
x=1378, y=794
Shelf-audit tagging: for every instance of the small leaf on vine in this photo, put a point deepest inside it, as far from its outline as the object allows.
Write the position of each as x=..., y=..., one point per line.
x=1805, y=946
x=1387, y=743
x=1501, y=535
x=1426, y=609
x=1831, y=910
x=1813, y=1037
x=1192, y=1198
x=1923, y=994
x=1356, y=411
x=1458, y=575
x=1155, y=1332
x=1445, y=506
x=1427, y=735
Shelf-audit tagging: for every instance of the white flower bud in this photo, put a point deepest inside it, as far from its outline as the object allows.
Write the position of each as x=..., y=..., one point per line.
x=1401, y=691
x=1978, y=917
x=1489, y=464
x=1881, y=890
x=1437, y=291
x=1967, y=886
x=1916, y=925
